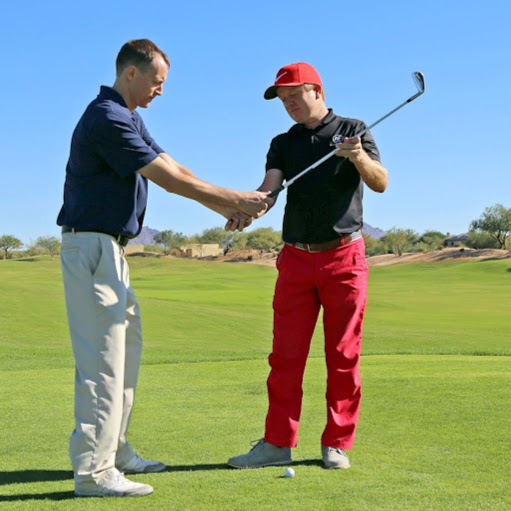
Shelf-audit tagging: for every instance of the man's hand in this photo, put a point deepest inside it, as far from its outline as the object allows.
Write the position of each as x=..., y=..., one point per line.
x=241, y=220
x=238, y=222
x=253, y=203
x=273, y=179
x=373, y=173
x=352, y=149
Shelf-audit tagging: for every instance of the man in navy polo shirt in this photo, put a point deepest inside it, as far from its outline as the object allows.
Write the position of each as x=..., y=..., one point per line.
x=105, y=195
x=322, y=264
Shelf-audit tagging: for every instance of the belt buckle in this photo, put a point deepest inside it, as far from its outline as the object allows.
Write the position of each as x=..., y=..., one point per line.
x=304, y=246
x=122, y=240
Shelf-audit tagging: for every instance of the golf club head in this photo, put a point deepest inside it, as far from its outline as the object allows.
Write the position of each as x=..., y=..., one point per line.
x=418, y=78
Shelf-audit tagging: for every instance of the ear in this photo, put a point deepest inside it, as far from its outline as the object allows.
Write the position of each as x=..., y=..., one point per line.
x=130, y=72
x=317, y=89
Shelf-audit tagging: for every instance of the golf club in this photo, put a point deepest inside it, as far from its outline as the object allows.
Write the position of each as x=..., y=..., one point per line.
x=418, y=78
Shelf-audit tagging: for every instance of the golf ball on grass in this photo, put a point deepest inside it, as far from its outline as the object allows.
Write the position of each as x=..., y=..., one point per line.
x=289, y=472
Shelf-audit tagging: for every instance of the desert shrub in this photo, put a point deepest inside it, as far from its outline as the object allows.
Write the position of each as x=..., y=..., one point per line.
x=481, y=239
x=154, y=248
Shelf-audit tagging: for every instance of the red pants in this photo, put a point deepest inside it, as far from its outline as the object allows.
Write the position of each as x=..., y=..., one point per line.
x=337, y=280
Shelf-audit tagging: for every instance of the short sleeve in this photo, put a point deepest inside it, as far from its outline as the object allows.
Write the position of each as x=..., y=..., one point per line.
x=274, y=158
x=147, y=137
x=118, y=141
x=369, y=145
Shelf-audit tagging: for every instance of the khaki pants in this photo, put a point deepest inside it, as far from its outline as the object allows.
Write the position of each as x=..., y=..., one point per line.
x=106, y=334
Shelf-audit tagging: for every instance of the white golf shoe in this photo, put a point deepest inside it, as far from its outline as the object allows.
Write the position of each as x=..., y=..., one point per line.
x=137, y=465
x=112, y=484
x=262, y=454
x=334, y=458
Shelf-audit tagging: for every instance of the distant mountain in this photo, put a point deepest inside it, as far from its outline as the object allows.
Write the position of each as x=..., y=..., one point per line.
x=374, y=232
x=146, y=237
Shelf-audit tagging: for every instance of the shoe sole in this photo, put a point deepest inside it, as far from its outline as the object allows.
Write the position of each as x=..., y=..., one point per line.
x=275, y=463
x=148, y=470
x=141, y=494
x=336, y=467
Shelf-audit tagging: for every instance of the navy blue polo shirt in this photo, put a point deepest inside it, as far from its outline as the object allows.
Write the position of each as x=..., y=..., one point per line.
x=327, y=201
x=103, y=191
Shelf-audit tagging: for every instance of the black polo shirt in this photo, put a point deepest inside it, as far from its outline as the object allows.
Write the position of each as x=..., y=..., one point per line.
x=327, y=201
x=103, y=191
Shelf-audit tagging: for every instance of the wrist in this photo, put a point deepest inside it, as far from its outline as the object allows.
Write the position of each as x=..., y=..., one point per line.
x=237, y=198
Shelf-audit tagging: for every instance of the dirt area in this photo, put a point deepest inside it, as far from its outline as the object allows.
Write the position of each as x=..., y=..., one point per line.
x=247, y=256
x=447, y=254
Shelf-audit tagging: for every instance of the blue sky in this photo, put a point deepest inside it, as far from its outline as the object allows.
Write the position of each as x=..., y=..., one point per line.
x=445, y=152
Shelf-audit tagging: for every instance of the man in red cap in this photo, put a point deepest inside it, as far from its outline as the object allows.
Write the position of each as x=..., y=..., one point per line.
x=322, y=264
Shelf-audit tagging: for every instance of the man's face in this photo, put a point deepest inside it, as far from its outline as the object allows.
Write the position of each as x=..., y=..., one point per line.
x=300, y=104
x=148, y=84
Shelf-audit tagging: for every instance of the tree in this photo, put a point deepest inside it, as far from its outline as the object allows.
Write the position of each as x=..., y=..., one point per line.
x=264, y=239
x=496, y=221
x=481, y=239
x=8, y=242
x=239, y=241
x=170, y=239
x=213, y=235
x=433, y=239
x=49, y=243
x=374, y=246
x=400, y=240
x=226, y=239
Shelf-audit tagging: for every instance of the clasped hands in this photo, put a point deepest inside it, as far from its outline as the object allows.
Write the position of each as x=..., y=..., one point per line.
x=257, y=206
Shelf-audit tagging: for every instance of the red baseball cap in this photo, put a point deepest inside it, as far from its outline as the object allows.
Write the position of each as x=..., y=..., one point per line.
x=293, y=75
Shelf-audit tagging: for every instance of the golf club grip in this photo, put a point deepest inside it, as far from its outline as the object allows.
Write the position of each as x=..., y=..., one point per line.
x=275, y=192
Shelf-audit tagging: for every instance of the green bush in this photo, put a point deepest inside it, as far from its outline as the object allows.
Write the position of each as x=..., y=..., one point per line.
x=374, y=247
x=481, y=239
x=154, y=248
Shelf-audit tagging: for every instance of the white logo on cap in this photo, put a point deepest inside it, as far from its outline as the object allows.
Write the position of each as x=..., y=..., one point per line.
x=280, y=76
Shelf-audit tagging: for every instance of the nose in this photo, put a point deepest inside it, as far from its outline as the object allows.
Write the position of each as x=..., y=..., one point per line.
x=288, y=104
x=159, y=90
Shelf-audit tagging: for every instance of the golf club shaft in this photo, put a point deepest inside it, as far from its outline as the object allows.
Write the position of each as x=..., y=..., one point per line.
x=282, y=187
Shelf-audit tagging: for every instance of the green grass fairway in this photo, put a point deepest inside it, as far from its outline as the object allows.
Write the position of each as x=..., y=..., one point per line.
x=434, y=428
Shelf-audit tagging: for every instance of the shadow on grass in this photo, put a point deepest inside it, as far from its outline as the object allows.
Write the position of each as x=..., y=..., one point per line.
x=34, y=476
x=63, y=495
x=40, y=476
x=224, y=466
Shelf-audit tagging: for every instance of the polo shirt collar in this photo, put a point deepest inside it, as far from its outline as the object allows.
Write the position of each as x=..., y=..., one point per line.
x=326, y=120
x=109, y=93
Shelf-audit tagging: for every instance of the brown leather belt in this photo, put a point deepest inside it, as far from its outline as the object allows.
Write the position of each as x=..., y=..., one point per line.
x=342, y=240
